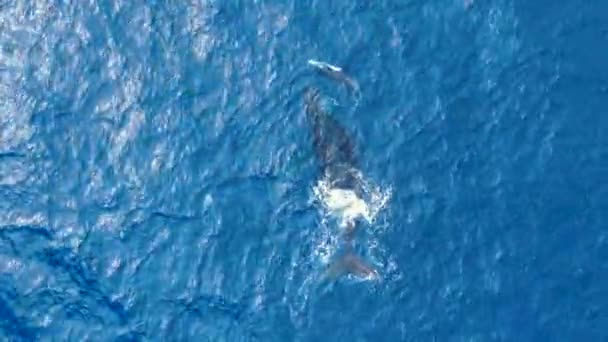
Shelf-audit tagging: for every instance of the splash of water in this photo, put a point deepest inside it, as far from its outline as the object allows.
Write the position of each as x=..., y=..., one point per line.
x=346, y=206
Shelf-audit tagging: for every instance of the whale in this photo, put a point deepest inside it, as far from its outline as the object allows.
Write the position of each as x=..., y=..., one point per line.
x=337, y=74
x=337, y=161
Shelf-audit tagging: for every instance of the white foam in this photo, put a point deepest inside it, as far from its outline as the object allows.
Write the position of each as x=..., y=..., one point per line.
x=341, y=203
x=346, y=206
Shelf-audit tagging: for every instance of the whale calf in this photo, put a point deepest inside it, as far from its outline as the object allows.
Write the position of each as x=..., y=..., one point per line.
x=336, y=73
x=337, y=160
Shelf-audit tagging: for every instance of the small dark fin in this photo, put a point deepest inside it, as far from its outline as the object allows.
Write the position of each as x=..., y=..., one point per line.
x=350, y=264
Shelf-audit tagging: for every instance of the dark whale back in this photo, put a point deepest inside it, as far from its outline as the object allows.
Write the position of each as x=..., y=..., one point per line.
x=335, y=151
x=334, y=147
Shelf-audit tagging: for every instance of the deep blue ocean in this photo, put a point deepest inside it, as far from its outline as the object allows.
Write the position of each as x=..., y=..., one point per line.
x=157, y=170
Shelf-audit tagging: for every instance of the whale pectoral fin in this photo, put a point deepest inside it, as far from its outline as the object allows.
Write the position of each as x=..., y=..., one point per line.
x=350, y=264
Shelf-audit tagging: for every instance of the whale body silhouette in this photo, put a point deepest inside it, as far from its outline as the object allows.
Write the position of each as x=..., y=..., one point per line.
x=337, y=159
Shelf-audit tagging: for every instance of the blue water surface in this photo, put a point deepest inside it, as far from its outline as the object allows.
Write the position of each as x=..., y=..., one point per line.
x=156, y=170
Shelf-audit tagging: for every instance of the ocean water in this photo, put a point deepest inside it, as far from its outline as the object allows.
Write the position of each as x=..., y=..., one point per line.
x=157, y=175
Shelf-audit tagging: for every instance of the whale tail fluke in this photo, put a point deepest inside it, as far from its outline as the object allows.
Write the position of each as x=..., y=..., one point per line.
x=350, y=263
